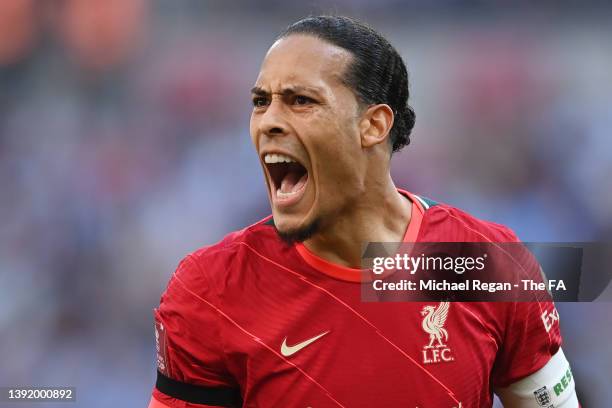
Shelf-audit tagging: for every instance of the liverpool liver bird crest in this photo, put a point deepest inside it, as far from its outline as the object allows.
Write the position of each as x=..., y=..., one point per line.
x=433, y=323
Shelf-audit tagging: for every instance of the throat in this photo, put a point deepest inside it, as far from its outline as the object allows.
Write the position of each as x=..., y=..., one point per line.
x=293, y=182
x=341, y=242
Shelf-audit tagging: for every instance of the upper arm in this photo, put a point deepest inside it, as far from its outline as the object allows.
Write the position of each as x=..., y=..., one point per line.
x=550, y=386
x=531, y=337
x=191, y=365
x=530, y=368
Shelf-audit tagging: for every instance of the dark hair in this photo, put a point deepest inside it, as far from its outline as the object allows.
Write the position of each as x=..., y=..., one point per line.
x=377, y=73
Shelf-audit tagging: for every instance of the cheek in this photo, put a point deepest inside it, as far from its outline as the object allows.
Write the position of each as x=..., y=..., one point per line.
x=339, y=157
x=346, y=145
x=253, y=125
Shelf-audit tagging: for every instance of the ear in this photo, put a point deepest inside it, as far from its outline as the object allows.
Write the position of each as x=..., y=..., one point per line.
x=375, y=124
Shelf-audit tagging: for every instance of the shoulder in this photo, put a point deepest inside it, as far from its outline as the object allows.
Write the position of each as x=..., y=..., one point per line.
x=443, y=222
x=223, y=256
x=205, y=269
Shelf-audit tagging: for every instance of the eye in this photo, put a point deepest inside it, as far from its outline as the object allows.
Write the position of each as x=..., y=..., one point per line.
x=303, y=100
x=259, y=101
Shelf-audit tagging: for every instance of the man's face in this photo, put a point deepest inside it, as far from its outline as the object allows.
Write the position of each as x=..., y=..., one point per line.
x=305, y=127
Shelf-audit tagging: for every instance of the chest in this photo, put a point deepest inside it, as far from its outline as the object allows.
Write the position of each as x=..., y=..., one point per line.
x=305, y=343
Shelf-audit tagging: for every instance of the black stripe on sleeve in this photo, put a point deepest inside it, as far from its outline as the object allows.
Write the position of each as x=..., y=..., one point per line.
x=198, y=394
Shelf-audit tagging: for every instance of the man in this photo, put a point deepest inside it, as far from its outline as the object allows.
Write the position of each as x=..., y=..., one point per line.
x=272, y=317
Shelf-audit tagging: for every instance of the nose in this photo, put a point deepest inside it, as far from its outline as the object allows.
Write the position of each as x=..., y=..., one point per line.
x=273, y=121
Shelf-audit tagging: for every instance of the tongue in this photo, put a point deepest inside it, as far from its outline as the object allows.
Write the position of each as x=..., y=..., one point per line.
x=292, y=182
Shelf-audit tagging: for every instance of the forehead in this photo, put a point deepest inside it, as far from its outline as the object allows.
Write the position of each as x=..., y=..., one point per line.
x=303, y=60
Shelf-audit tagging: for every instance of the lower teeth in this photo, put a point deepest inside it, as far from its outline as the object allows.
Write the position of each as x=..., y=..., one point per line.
x=279, y=193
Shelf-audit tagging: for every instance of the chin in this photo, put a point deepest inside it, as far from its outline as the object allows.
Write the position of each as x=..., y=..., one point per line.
x=296, y=233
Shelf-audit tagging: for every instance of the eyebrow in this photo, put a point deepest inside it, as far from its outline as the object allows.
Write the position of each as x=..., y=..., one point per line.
x=290, y=90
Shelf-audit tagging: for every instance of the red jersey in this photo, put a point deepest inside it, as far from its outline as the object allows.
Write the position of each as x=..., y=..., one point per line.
x=255, y=322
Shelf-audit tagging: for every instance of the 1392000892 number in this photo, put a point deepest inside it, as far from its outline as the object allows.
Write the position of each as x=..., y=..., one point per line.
x=34, y=394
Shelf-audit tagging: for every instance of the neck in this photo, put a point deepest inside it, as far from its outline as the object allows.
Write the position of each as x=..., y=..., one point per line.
x=381, y=215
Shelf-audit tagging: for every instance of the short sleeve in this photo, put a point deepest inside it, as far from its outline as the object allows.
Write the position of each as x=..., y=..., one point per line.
x=532, y=337
x=190, y=357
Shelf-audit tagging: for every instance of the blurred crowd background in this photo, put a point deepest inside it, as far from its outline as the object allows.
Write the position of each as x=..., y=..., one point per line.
x=124, y=145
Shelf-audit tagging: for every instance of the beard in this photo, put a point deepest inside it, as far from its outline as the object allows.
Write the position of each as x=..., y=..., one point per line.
x=293, y=236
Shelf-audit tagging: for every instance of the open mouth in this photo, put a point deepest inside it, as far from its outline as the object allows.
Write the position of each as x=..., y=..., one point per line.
x=287, y=176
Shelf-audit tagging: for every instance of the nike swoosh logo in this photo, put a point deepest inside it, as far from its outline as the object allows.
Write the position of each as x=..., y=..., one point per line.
x=291, y=350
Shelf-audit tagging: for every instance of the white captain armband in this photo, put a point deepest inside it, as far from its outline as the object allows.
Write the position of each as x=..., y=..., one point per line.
x=551, y=386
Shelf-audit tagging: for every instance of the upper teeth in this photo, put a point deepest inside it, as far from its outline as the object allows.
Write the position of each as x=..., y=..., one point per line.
x=277, y=158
